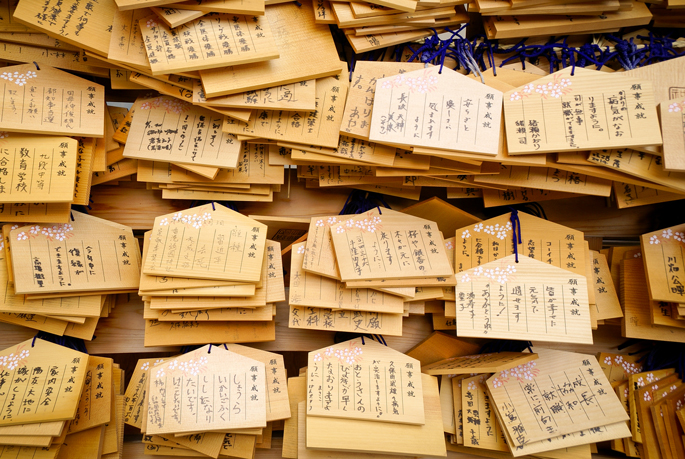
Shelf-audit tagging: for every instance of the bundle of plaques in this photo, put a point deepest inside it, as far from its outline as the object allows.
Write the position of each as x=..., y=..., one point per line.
x=60, y=403
x=44, y=175
x=364, y=390
x=362, y=273
x=222, y=402
x=62, y=278
x=209, y=273
x=534, y=280
x=538, y=404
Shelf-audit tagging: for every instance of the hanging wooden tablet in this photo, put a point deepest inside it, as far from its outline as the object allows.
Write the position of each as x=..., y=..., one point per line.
x=543, y=240
x=308, y=289
x=480, y=363
x=663, y=252
x=37, y=169
x=214, y=227
x=311, y=318
x=182, y=134
x=294, y=96
x=422, y=108
x=50, y=101
x=673, y=129
x=569, y=377
x=84, y=26
x=385, y=384
x=607, y=305
x=86, y=254
x=184, y=385
x=481, y=429
x=529, y=299
x=219, y=40
x=383, y=437
x=57, y=375
x=320, y=127
x=277, y=403
x=94, y=407
x=127, y=45
x=357, y=117
x=618, y=367
x=136, y=391
x=295, y=43
x=588, y=110
x=370, y=246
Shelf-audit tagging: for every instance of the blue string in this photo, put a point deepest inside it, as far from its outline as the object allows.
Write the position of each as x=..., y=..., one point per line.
x=515, y=225
x=209, y=351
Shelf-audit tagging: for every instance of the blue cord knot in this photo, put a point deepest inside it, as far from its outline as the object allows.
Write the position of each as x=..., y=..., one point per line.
x=516, y=228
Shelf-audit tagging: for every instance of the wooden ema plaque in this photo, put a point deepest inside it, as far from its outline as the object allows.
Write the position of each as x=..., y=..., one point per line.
x=389, y=247
x=367, y=381
x=559, y=393
x=481, y=363
x=51, y=390
x=84, y=25
x=540, y=239
x=277, y=403
x=672, y=116
x=294, y=96
x=588, y=110
x=307, y=289
x=94, y=407
x=86, y=254
x=210, y=389
x=312, y=318
x=214, y=40
x=37, y=169
x=481, y=428
x=320, y=127
x=297, y=38
x=663, y=253
x=137, y=392
x=357, y=117
x=199, y=242
x=447, y=111
x=50, y=101
x=526, y=300
x=169, y=129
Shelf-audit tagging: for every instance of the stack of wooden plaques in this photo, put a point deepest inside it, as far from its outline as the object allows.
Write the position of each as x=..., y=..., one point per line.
x=367, y=391
x=650, y=278
x=361, y=273
x=43, y=176
x=547, y=258
x=70, y=403
x=210, y=274
x=571, y=403
x=62, y=278
x=248, y=393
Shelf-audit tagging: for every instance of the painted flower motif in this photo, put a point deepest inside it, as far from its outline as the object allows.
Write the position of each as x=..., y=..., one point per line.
x=471, y=386
x=654, y=240
x=319, y=223
x=164, y=222
x=625, y=392
x=177, y=216
x=647, y=397
x=478, y=228
x=18, y=78
x=515, y=96
x=674, y=107
x=556, y=92
x=145, y=366
x=655, y=387
x=496, y=383
x=667, y=233
x=465, y=278
x=332, y=220
x=146, y=106
x=678, y=405
x=672, y=388
x=449, y=245
x=158, y=361
x=678, y=236
x=619, y=359
x=160, y=373
x=637, y=255
x=35, y=229
x=607, y=360
x=150, y=23
x=14, y=227
x=317, y=357
x=340, y=229
x=4, y=134
x=465, y=234
x=527, y=89
x=300, y=249
x=22, y=236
